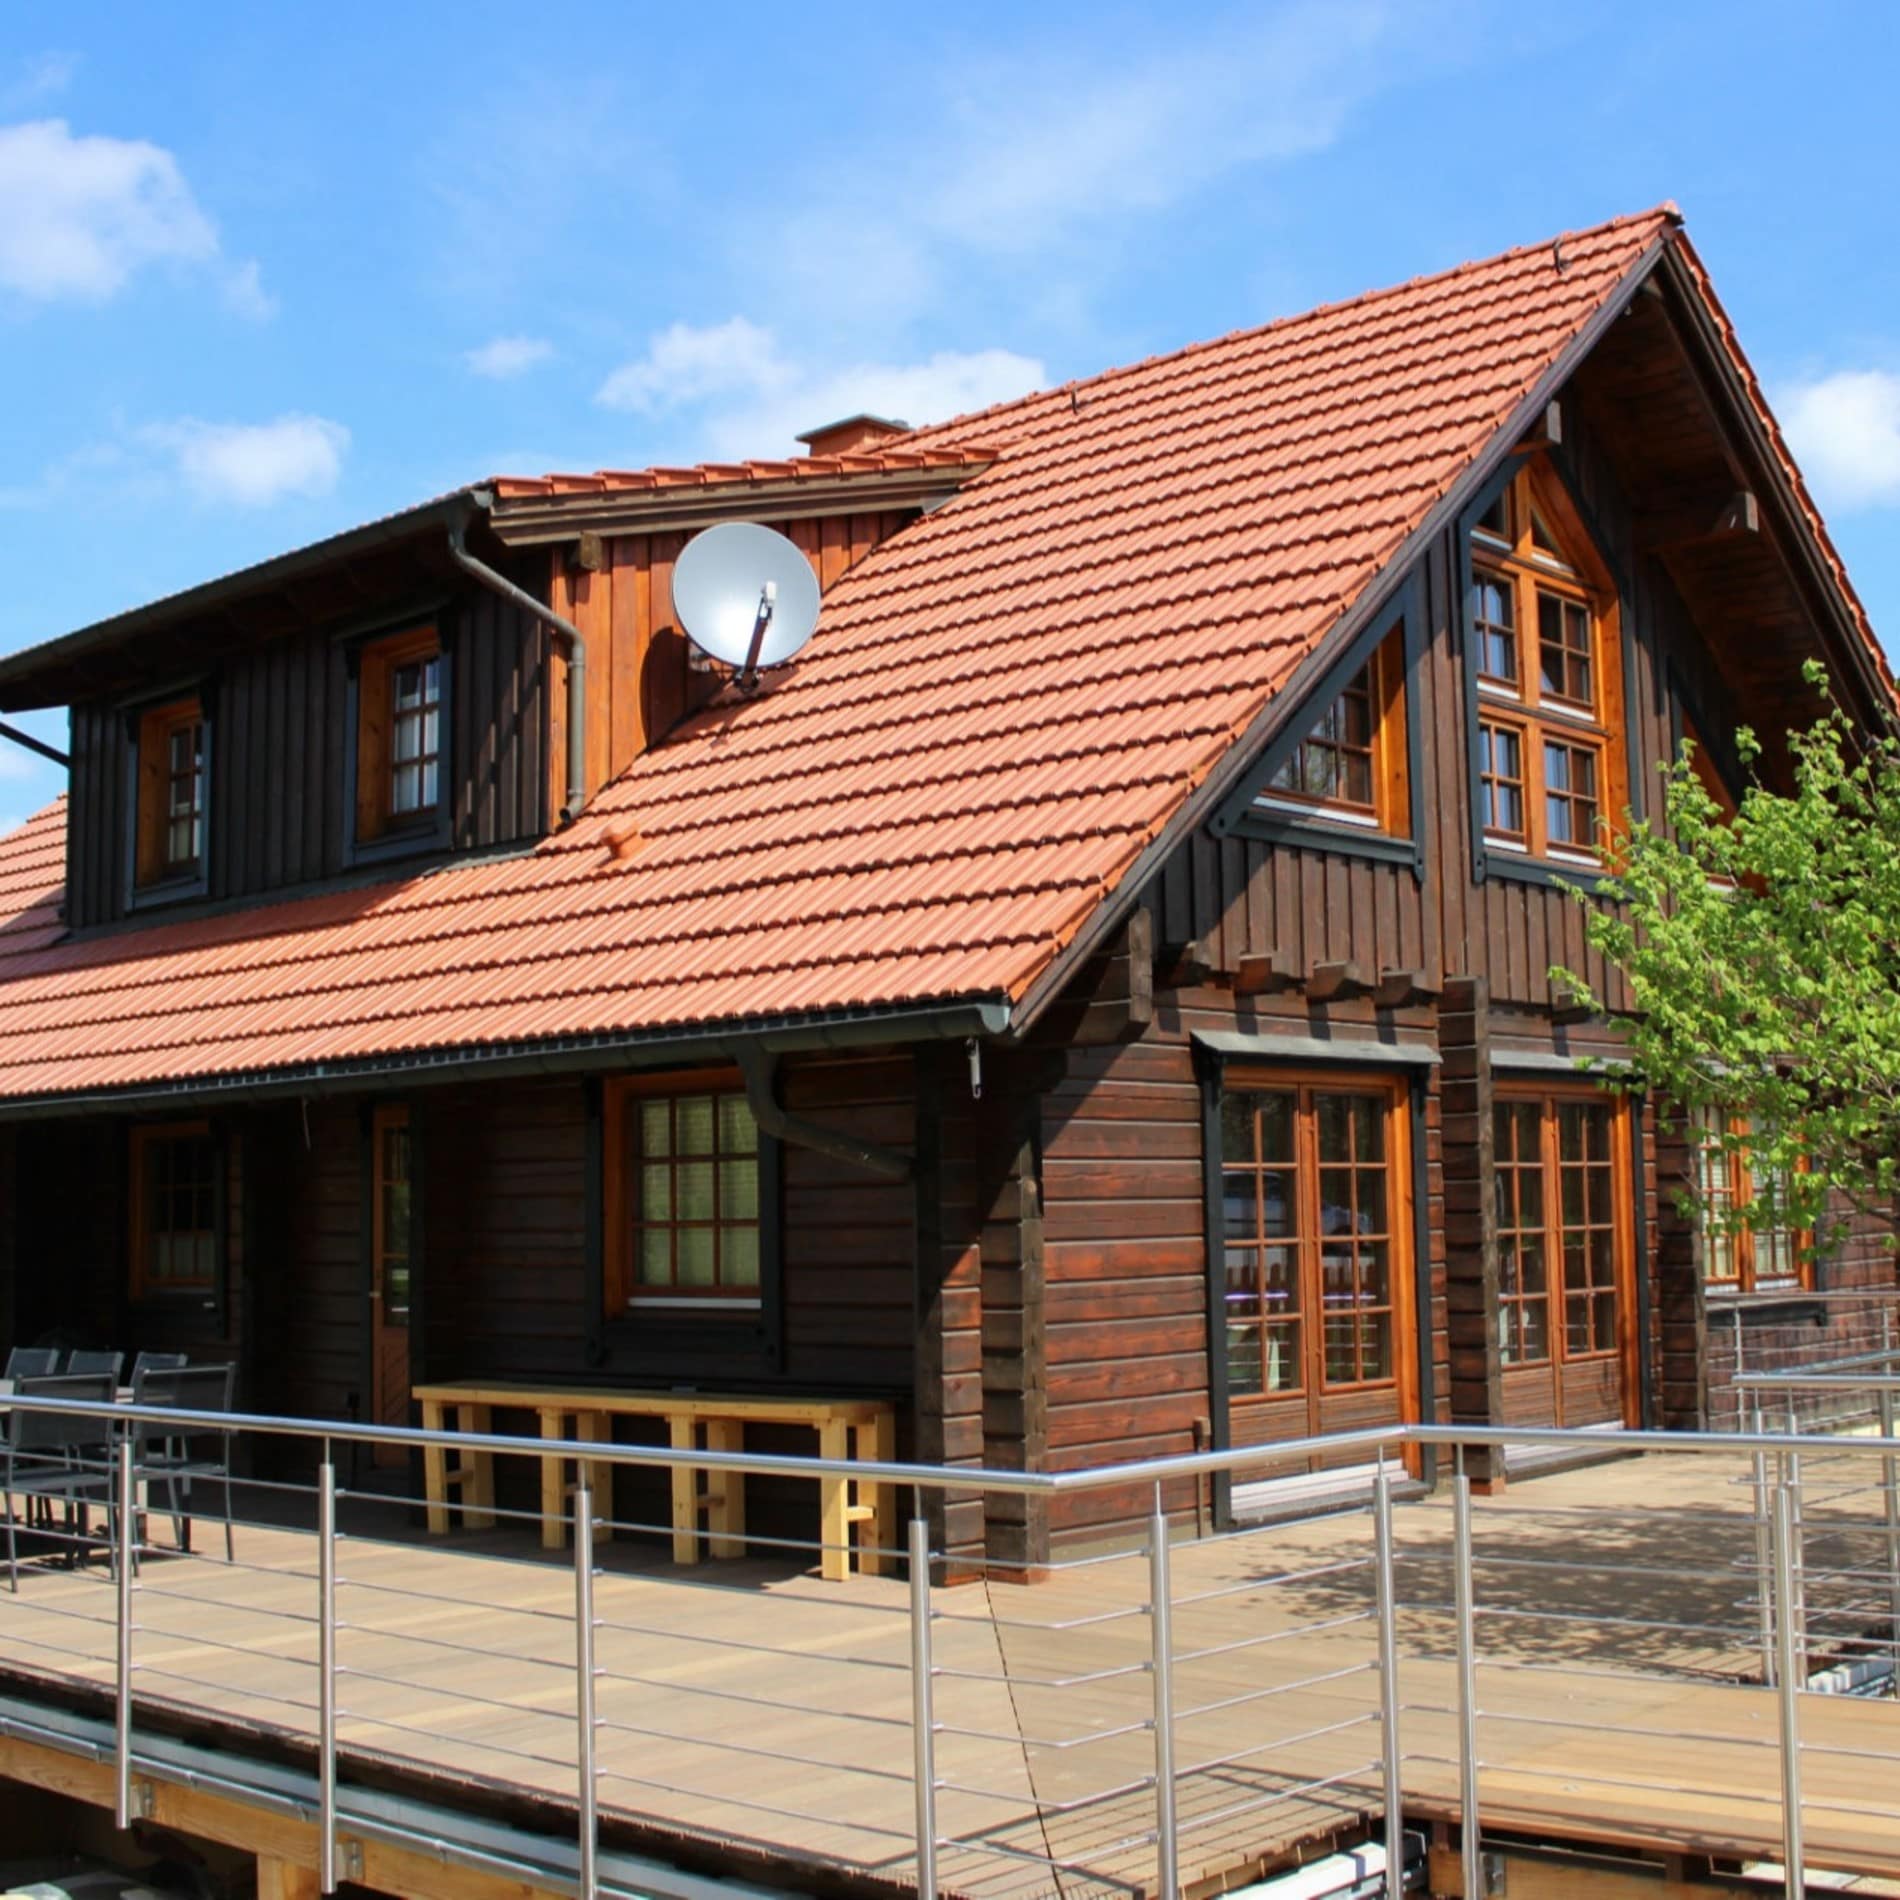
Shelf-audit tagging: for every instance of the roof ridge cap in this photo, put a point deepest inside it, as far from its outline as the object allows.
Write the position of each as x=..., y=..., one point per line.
x=1667, y=211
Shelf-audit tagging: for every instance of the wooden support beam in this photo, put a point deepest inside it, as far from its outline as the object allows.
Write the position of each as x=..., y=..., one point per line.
x=1334, y=982
x=1187, y=966
x=1121, y=997
x=285, y=1880
x=1264, y=975
x=1396, y=988
x=1569, y=1006
x=1697, y=524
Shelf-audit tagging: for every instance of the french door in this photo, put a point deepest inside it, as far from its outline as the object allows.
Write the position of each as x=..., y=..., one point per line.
x=1316, y=1292
x=1566, y=1234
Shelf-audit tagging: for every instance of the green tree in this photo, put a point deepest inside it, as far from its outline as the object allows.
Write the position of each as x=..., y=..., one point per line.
x=1762, y=954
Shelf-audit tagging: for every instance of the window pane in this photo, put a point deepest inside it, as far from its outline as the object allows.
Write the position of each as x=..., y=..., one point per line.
x=738, y=1132
x=1236, y=1126
x=656, y=1256
x=1245, y=1373
x=693, y=1117
x=739, y=1256
x=695, y=1256
x=739, y=1189
x=693, y=1185
x=656, y=1192
x=656, y=1126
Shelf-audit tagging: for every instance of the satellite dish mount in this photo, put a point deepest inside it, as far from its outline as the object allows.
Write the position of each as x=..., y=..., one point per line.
x=745, y=595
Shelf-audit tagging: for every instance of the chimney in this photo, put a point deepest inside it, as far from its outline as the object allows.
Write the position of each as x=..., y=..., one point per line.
x=855, y=435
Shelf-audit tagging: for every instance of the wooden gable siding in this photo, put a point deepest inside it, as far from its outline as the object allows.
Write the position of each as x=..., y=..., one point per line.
x=643, y=675
x=281, y=756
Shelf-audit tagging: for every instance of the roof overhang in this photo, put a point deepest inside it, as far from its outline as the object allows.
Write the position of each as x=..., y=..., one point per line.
x=46, y=675
x=527, y=519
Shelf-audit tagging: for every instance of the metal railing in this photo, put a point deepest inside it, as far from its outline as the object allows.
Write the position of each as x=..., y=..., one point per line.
x=1147, y=1715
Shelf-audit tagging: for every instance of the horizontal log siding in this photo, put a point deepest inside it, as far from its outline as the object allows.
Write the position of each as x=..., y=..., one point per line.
x=1126, y=1297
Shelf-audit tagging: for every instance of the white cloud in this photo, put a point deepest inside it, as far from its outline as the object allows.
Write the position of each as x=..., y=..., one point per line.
x=78, y=216
x=245, y=294
x=506, y=356
x=752, y=398
x=40, y=76
x=684, y=364
x=1845, y=429
x=253, y=464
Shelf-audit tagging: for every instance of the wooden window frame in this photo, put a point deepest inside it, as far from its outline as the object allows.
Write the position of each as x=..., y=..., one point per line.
x=155, y=871
x=143, y=1286
x=377, y=827
x=623, y=1298
x=384, y=1121
x=1739, y=1190
x=1389, y=810
x=1535, y=499
x=1549, y=1100
x=1394, y=1095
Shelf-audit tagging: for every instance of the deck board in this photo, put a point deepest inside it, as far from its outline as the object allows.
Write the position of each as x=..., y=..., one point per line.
x=750, y=1703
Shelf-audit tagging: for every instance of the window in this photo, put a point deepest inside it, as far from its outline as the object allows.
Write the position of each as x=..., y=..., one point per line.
x=1544, y=646
x=174, y=1210
x=400, y=688
x=391, y=1239
x=1563, y=1237
x=683, y=1207
x=1765, y=1258
x=1313, y=1231
x=1350, y=766
x=170, y=824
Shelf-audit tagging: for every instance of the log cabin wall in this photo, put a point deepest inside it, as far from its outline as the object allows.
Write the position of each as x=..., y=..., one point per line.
x=643, y=675
x=281, y=757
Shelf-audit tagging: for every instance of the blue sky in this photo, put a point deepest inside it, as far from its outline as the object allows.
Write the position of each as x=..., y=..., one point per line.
x=266, y=272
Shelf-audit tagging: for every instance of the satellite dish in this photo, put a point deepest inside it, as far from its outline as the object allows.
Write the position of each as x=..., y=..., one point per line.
x=746, y=595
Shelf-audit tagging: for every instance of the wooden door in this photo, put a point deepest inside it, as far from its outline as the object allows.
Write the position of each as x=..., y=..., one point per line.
x=1566, y=1268
x=390, y=1247
x=1318, y=1323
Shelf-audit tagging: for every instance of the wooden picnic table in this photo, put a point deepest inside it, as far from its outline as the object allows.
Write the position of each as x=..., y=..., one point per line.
x=847, y=1429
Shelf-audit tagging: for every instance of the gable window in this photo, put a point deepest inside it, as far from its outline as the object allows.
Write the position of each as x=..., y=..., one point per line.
x=1765, y=1258
x=1349, y=766
x=170, y=794
x=174, y=1210
x=1544, y=644
x=401, y=693
x=684, y=1212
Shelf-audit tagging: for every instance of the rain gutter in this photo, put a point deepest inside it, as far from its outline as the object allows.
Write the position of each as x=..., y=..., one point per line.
x=576, y=659
x=575, y=1055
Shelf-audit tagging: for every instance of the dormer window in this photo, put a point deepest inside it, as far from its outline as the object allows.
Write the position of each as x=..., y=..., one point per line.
x=1349, y=766
x=1545, y=648
x=171, y=761
x=401, y=698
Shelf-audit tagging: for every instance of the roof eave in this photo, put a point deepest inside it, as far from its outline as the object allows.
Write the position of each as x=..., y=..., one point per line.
x=50, y=657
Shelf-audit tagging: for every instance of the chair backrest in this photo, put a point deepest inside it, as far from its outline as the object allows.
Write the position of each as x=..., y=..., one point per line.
x=33, y=1431
x=82, y=1360
x=158, y=1362
x=32, y=1362
x=188, y=1388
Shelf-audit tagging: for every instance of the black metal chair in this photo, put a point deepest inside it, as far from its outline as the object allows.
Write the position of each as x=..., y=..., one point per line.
x=81, y=1359
x=32, y=1362
x=159, y=1362
x=47, y=1456
x=173, y=1458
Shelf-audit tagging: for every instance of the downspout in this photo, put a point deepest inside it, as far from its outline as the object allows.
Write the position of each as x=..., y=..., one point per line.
x=576, y=661
x=759, y=1069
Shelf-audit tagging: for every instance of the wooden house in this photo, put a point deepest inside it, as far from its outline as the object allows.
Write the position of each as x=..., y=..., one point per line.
x=1096, y=997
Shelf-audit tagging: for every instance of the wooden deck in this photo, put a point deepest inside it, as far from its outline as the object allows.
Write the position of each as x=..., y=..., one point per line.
x=749, y=1704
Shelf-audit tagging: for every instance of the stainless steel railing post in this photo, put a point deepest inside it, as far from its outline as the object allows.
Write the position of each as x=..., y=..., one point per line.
x=1764, y=1555
x=923, y=1716
x=1384, y=1572
x=1797, y=1555
x=1465, y=1595
x=1161, y=1663
x=1788, y=1695
x=584, y=1723
x=1890, y=1494
x=124, y=1545
x=326, y=1673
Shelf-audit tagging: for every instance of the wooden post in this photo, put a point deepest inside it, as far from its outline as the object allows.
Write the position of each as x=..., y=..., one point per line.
x=285, y=1880
x=1681, y=1306
x=1471, y=1239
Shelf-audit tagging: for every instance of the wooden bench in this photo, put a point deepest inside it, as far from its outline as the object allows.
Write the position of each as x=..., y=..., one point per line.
x=847, y=1429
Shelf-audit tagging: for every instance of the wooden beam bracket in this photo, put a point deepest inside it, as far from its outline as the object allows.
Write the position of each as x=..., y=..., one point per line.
x=1396, y=988
x=1568, y=1006
x=1264, y=974
x=1335, y=982
x=1187, y=966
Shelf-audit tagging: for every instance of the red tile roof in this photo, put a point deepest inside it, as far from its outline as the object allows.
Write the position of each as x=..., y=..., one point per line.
x=1004, y=704
x=798, y=468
